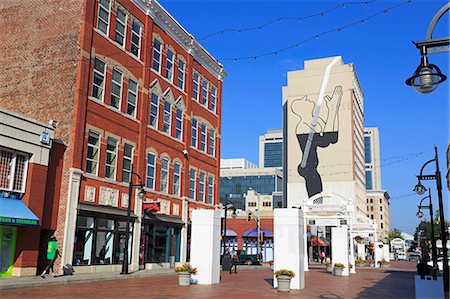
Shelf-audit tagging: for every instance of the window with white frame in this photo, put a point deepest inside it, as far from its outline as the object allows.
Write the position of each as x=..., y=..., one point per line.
x=167, y=117
x=127, y=161
x=194, y=132
x=169, y=65
x=210, y=189
x=196, y=87
x=179, y=124
x=213, y=98
x=164, y=175
x=151, y=166
x=203, y=138
x=93, y=152
x=192, y=183
x=98, y=84
x=154, y=105
x=157, y=46
x=176, y=178
x=181, y=74
x=204, y=93
x=132, y=97
x=111, y=158
x=201, y=188
x=121, y=27
x=212, y=142
x=136, y=38
x=116, y=89
x=104, y=9
x=13, y=171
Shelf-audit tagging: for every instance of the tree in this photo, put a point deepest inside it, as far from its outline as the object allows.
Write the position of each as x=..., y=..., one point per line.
x=396, y=233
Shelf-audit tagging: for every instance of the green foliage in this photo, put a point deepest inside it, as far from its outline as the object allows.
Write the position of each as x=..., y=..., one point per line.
x=186, y=268
x=284, y=272
x=396, y=233
x=339, y=265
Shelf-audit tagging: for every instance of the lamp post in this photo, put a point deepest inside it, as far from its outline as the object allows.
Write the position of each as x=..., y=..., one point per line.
x=428, y=76
x=228, y=205
x=420, y=189
x=127, y=234
x=433, y=239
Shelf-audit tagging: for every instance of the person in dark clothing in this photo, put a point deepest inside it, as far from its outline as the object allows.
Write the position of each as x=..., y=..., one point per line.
x=234, y=262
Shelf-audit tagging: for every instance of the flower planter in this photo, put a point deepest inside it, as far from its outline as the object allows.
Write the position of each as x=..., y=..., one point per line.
x=184, y=278
x=384, y=265
x=360, y=264
x=338, y=271
x=284, y=283
x=330, y=268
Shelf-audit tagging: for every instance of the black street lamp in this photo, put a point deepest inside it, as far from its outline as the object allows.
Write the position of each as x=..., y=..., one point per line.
x=433, y=239
x=228, y=205
x=141, y=195
x=420, y=189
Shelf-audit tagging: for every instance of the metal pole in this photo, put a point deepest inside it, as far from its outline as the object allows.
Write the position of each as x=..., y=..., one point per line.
x=433, y=239
x=127, y=233
x=442, y=223
x=259, y=229
x=225, y=231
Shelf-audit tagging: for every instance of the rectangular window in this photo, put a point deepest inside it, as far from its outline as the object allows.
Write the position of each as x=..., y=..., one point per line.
x=210, y=189
x=202, y=187
x=176, y=178
x=136, y=38
x=195, y=89
x=99, y=79
x=204, y=93
x=212, y=142
x=381, y=200
x=169, y=65
x=213, y=98
x=104, y=7
x=116, y=89
x=93, y=149
x=369, y=179
x=156, y=55
x=192, y=183
x=111, y=158
x=164, y=175
x=13, y=169
x=121, y=27
x=132, y=97
x=181, y=74
x=194, y=133
x=154, y=104
x=381, y=209
x=381, y=224
x=203, y=138
x=367, y=151
x=167, y=117
x=127, y=161
x=151, y=163
x=179, y=124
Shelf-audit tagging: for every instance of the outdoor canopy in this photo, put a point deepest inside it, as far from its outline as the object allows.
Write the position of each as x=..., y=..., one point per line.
x=15, y=212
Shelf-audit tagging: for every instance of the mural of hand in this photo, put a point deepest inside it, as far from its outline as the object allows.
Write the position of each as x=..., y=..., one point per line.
x=303, y=108
x=332, y=115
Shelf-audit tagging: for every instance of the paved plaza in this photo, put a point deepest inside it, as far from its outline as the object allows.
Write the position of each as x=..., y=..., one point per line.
x=254, y=282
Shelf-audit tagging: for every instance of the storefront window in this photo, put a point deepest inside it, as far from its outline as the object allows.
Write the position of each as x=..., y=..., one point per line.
x=161, y=241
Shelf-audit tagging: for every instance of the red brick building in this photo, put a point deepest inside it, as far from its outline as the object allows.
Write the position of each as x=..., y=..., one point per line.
x=128, y=86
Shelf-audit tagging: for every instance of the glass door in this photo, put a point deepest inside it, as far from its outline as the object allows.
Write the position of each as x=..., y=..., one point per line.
x=7, y=248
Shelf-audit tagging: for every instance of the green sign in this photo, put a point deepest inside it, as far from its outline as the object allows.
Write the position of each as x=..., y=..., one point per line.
x=18, y=221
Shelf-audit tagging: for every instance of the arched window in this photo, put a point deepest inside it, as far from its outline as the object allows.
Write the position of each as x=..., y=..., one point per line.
x=151, y=166
x=176, y=178
x=165, y=175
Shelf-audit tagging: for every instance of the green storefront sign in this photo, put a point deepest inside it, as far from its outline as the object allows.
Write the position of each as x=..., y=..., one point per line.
x=18, y=221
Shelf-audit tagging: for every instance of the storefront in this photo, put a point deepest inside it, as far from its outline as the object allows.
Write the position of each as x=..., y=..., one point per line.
x=100, y=236
x=160, y=241
x=13, y=214
x=250, y=243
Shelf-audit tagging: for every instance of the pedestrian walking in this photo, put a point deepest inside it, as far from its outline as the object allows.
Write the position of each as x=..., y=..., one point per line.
x=322, y=256
x=234, y=262
x=52, y=254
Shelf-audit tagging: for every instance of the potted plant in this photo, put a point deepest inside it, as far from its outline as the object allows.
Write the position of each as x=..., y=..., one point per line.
x=360, y=262
x=329, y=266
x=383, y=263
x=284, y=279
x=184, y=274
x=338, y=269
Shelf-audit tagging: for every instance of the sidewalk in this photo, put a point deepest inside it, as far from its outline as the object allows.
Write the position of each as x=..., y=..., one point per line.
x=8, y=283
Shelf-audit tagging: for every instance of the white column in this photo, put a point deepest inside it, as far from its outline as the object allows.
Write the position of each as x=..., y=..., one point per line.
x=289, y=243
x=339, y=246
x=205, y=245
x=183, y=241
x=378, y=252
x=136, y=233
x=305, y=246
x=71, y=216
x=351, y=241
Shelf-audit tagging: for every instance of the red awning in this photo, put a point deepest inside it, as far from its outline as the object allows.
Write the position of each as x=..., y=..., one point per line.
x=318, y=241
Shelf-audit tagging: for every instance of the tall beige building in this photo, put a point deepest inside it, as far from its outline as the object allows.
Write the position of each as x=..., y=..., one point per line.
x=323, y=130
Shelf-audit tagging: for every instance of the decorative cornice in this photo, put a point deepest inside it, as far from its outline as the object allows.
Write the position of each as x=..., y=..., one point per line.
x=168, y=23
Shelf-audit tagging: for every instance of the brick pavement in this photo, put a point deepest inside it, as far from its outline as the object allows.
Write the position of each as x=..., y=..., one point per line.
x=396, y=282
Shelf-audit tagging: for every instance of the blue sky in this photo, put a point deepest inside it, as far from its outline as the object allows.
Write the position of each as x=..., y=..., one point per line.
x=381, y=50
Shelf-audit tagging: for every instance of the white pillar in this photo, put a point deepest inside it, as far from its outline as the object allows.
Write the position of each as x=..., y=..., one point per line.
x=183, y=241
x=205, y=245
x=136, y=241
x=351, y=241
x=305, y=245
x=378, y=252
x=71, y=216
x=288, y=244
x=339, y=246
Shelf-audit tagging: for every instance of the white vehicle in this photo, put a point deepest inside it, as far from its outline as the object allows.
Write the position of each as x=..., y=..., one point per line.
x=440, y=263
x=401, y=256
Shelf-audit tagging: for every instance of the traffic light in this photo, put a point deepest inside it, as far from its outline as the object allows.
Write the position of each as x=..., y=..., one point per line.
x=249, y=216
x=261, y=238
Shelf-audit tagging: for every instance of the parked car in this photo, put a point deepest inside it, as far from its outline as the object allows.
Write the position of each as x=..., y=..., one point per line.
x=413, y=256
x=247, y=259
x=401, y=256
